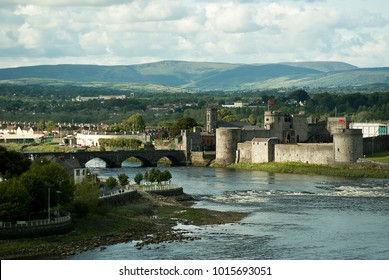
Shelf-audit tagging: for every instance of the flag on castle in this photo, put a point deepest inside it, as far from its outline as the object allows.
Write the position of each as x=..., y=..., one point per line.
x=270, y=102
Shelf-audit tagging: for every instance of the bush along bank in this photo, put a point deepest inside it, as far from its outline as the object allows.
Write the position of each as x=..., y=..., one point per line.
x=357, y=170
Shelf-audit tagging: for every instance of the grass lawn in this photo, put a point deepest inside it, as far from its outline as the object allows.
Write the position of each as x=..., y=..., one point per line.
x=380, y=157
x=370, y=170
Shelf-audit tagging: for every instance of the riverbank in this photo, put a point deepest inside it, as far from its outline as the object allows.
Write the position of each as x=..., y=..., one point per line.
x=149, y=219
x=357, y=170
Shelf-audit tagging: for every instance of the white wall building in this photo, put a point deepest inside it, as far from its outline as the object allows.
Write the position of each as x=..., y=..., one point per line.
x=92, y=139
x=371, y=129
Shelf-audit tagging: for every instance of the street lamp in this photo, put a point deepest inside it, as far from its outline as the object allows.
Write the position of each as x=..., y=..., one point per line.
x=48, y=205
x=58, y=193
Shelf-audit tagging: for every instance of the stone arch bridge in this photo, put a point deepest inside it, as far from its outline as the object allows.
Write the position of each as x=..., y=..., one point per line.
x=115, y=158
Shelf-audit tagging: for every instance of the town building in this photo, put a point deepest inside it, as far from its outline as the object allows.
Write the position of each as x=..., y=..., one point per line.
x=92, y=139
x=20, y=134
x=371, y=129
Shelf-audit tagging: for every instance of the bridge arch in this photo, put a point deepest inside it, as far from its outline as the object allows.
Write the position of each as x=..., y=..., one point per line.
x=132, y=162
x=144, y=161
x=115, y=158
x=96, y=163
x=169, y=160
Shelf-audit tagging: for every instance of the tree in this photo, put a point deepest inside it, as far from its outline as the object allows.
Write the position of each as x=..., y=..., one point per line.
x=45, y=179
x=165, y=176
x=12, y=163
x=86, y=198
x=252, y=119
x=134, y=123
x=146, y=177
x=183, y=123
x=111, y=182
x=138, y=178
x=123, y=179
x=226, y=115
x=50, y=125
x=14, y=200
x=299, y=95
x=152, y=175
x=120, y=143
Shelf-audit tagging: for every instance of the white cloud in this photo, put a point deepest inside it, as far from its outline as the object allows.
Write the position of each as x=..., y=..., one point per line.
x=70, y=3
x=111, y=32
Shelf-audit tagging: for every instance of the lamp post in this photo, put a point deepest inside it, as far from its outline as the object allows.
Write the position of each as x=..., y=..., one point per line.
x=48, y=205
x=58, y=193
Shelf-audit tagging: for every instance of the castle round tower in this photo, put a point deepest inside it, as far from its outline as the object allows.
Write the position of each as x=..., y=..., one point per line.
x=227, y=140
x=270, y=118
x=348, y=145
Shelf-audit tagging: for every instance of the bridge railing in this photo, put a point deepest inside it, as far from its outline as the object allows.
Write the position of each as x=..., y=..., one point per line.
x=35, y=223
x=158, y=187
x=116, y=192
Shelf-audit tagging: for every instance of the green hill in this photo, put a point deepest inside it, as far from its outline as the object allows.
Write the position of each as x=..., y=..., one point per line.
x=206, y=75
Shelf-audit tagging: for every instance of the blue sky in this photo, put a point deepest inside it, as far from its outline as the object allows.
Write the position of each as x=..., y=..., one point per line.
x=117, y=32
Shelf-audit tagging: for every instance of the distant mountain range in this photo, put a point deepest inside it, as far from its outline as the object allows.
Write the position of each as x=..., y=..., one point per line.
x=208, y=76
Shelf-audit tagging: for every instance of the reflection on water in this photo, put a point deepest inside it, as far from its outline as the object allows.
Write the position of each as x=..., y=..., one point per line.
x=292, y=217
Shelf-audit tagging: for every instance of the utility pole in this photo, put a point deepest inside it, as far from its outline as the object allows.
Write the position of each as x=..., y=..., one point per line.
x=48, y=204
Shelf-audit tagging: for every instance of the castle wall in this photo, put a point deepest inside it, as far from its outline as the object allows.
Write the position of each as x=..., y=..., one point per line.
x=377, y=144
x=191, y=141
x=263, y=151
x=243, y=153
x=300, y=125
x=248, y=135
x=336, y=123
x=201, y=158
x=233, y=144
x=307, y=153
x=288, y=128
x=348, y=145
x=227, y=140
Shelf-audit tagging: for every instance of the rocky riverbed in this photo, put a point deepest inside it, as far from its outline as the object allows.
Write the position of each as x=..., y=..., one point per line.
x=155, y=227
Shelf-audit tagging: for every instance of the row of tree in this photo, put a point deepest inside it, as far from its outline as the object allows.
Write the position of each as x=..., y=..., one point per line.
x=120, y=143
x=153, y=175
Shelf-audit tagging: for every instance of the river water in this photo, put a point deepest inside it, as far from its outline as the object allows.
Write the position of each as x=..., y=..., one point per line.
x=291, y=217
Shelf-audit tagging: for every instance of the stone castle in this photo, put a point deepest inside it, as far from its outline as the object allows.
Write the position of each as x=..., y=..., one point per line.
x=286, y=137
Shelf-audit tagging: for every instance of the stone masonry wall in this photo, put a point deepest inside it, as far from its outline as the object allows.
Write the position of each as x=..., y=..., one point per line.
x=243, y=153
x=307, y=153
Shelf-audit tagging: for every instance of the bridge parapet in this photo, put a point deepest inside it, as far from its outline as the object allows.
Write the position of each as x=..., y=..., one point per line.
x=115, y=158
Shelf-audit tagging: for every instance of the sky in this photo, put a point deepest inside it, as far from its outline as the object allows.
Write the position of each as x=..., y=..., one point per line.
x=120, y=32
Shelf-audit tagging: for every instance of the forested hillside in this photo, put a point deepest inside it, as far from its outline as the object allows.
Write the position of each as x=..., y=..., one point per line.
x=205, y=76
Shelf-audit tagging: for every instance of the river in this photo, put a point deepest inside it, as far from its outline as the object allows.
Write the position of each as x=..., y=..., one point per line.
x=291, y=217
